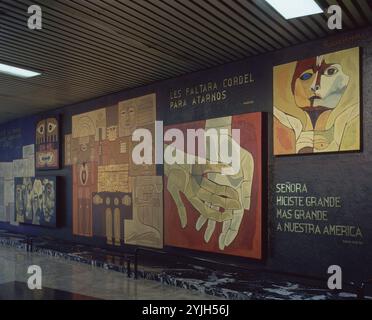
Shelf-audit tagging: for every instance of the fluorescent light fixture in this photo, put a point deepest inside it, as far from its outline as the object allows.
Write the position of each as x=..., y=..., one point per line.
x=290, y=9
x=18, y=72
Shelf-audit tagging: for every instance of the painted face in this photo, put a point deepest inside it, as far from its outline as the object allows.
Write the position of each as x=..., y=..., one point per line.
x=37, y=196
x=40, y=132
x=29, y=197
x=47, y=139
x=19, y=198
x=48, y=201
x=49, y=192
x=127, y=116
x=51, y=130
x=317, y=84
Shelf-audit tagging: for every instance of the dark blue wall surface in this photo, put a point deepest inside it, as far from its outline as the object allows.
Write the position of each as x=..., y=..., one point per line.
x=13, y=136
x=347, y=175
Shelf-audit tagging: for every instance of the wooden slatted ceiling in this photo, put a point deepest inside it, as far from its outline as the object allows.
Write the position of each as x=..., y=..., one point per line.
x=90, y=48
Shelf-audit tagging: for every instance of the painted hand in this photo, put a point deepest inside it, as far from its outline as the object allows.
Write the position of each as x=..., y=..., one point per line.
x=218, y=198
x=241, y=183
x=205, y=195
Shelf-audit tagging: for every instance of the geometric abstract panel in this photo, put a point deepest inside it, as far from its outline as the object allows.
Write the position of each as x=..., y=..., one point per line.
x=105, y=179
x=109, y=211
x=145, y=228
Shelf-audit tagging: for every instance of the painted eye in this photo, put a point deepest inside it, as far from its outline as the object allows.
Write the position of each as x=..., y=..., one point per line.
x=306, y=76
x=331, y=71
x=51, y=127
x=41, y=129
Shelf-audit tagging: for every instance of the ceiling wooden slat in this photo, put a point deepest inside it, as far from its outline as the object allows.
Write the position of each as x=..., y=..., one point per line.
x=192, y=23
x=276, y=22
x=70, y=53
x=37, y=50
x=236, y=28
x=366, y=9
x=322, y=22
x=249, y=25
x=58, y=29
x=165, y=30
x=293, y=23
x=313, y=24
x=189, y=8
x=150, y=36
x=257, y=19
x=357, y=16
x=91, y=48
x=127, y=37
x=182, y=27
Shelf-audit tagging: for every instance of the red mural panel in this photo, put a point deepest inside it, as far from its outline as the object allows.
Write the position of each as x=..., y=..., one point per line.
x=210, y=212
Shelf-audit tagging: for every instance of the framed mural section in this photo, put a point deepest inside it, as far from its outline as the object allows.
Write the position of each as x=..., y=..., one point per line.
x=113, y=198
x=47, y=144
x=206, y=209
x=317, y=104
x=35, y=201
x=23, y=167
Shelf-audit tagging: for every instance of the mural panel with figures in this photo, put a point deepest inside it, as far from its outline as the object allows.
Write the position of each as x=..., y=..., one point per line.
x=18, y=168
x=6, y=191
x=317, y=104
x=35, y=200
x=47, y=144
x=146, y=226
x=207, y=210
x=114, y=198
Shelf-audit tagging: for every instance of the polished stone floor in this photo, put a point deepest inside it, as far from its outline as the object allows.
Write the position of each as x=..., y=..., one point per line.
x=200, y=276
x=66, y=279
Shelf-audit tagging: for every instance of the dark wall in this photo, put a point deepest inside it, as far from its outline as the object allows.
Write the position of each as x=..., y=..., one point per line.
x=345, y=175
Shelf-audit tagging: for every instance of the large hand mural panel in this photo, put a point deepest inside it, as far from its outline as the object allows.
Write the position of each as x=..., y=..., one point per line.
x=209, y=211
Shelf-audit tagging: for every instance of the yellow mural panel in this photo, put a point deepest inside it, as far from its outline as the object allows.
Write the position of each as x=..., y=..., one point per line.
x=317, y=104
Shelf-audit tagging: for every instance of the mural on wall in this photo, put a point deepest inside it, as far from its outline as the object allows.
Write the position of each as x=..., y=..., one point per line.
x=35, y=200
x=6, y=191
x=206, y=210
x=47, y=144
x=88, y=130
x=106, y=181
x=109, y=210
x=317, y=104
x=146, y=227
x=318, y=217
x=18, y=168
